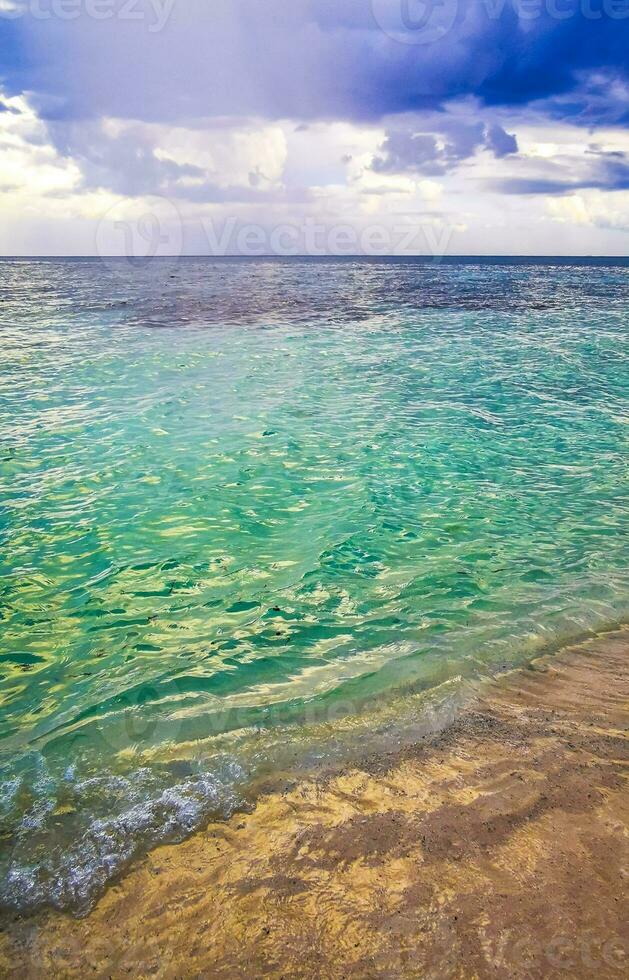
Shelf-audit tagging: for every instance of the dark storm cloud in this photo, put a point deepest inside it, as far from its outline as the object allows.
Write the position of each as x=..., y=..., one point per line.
x=310, y=59
x=607, y=172
x=438, y=145
x=197, y=62
x=501, y=142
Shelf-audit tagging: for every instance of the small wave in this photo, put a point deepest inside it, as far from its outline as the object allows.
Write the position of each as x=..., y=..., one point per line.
x=71, y=878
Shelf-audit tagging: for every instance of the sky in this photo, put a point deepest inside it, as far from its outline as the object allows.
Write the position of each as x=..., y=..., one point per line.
x=140, y=127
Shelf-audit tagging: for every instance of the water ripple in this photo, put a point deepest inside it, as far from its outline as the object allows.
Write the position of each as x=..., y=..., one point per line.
x=333, y=486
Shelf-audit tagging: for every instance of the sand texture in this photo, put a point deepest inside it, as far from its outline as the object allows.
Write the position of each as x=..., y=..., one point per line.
x=498, y=849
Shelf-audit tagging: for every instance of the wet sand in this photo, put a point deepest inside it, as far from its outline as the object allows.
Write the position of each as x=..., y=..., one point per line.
x=497, y=849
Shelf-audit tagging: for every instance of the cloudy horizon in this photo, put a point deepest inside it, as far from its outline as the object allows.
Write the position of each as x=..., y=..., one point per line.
x=313, y=127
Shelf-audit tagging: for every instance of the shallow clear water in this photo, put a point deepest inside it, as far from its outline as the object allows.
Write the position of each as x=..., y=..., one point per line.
x=255, y=512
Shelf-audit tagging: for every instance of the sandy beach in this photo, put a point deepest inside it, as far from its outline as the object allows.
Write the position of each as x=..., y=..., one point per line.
x=314, y=563
x=497, y=849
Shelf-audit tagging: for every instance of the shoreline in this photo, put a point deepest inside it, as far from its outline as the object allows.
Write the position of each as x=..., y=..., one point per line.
x=496, y=848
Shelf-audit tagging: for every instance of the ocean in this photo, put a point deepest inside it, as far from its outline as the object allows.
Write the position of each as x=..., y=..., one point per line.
x=261, y=515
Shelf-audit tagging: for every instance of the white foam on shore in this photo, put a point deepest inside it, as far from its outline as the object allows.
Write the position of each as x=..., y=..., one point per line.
x=72, y=878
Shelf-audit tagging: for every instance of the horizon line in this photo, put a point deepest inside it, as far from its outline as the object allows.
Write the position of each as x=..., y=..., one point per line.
x=326, y=256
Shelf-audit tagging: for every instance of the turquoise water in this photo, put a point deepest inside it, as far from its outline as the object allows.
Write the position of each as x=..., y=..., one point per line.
x=253, y=513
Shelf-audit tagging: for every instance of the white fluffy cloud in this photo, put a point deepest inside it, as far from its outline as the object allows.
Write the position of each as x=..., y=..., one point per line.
x=254, y=185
